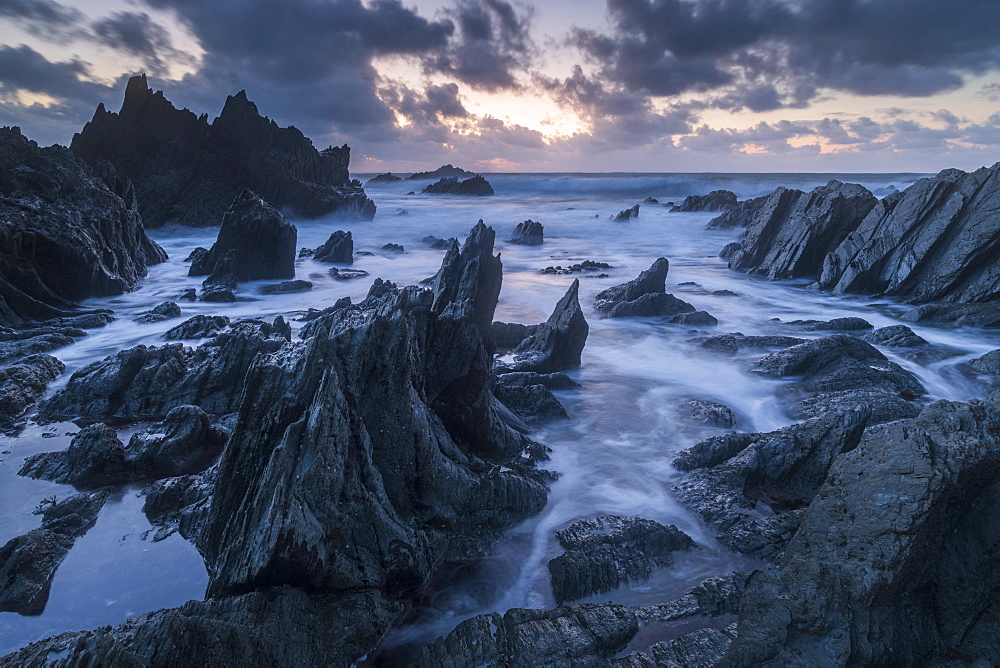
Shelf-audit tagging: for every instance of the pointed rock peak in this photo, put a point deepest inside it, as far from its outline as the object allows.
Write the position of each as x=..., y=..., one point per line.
x=481, y=238
x=137, y=93
x=241, y=96
x=568, y=304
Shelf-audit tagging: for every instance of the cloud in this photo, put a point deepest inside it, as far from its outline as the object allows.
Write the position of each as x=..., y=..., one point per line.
x=491, y=46
x=137, y=34
x=43, y=18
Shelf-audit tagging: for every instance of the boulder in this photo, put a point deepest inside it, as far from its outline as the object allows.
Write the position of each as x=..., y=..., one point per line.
x=959, y=315
x=95, y=456
x=894, y=561
x=188, y=170
x=607, y=551
x=435, y=242
x=988, y=363
x=849, y=324
x=450, y=185
x=67, y=232
x=394, y=248
x=261, y=243
x=180, y=504
x=338, y=248
x=29, y=562
x=711, y=413
x=197, y=327
x=735, y=341
x=160, y=312
x=22, y=384
x=286, y=287
x=733, y=477
x=789, y=232
x=717, y=200
x=347, y=274
x=626, y=215
x=557, y=343
x=694, y=319
x=528, y=233
x=936, y=241
x=895, y=336
x=586, y=265
x=185, y=442
x=532, y=403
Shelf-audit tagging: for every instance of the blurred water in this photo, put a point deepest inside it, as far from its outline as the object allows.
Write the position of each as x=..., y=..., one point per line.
x=626, y=422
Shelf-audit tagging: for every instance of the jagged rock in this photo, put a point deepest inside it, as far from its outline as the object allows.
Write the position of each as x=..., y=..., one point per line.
x=607, y=551
x=552, y=381
x=388, y=177
x=694, y=318
x=394, y=248
x=626, y=215
x=286, y=287
x=528, y=233
x=188, y=170
x=218, y=293
x=437, y=243
x=450, y=185
x=148, y=381
x=160, y=312
x=731, y=474
x=587, y=634
x=586, y=265
x=642, y=296
x=849, y=324
x=789, y=232
x=363, y=453
x=717, y=200
x=95, y=456
x=966, y=315
x=23, y=383
x=839, y=371
x=703, y=647
x=724, y=293
x=338, y=248
x=347, y=274
x=275, y=627
x=505, y=336
x=197, y=327
x=894, y=561
x=735, y=341
x=196, y=254
x=988, y=363
x=936, y=241
x=185, y=442
x=715, y=597
x=650, y=200
x=261, y=243
x=29, y=562
x=190, y=294
x=68, y=232
x=711, y=413
x=180, y=504
x=441, y=172
x=895, y=336
x=532, y=403
x=557, y=343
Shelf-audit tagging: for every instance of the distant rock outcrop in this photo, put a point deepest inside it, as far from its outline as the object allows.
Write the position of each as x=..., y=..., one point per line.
x=388, y=177
x=188, y=170
x=67, y=231
x=445, y=171
x=450, y=185
x=528, y=233
x=626, y=215
x=717, y=200
x=339, y=248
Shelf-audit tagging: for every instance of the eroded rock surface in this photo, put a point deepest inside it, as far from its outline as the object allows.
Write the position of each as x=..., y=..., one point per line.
x=528, y=233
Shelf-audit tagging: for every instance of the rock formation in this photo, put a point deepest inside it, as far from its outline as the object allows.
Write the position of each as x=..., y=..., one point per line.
x=445, y=171
x=717, y=200
x=388, y=177
x=557, y=343
x=197, y=327
x=94, y=457
x=188, y=170
x=262, y=244
x=528, y=233
x=159, y=313
x=67, y=231
x=22, y=384
x=789, y=232
x=646, y=296
x=338, y=248
x=450, y=185
x=626, y=215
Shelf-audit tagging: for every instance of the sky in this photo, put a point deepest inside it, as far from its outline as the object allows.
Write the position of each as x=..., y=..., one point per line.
x=540, y=85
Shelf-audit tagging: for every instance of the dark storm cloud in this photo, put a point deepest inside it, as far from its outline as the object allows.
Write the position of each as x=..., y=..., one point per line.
x=23, y=68
x=492, y=44
x=138, y=35
x=44, y=18
x=777, y=52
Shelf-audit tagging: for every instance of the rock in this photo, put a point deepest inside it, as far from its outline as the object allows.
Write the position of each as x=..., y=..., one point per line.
x=180, y=504
x=450, y=185
x=650, y=200
x=895, y=336
x=532, y=403
x=189, y=170
x=439, y=173
x=717, y=200
x=715, y=597
x=196, y=255
x=95, y=456
x=703, y=647
x=988, y=363
x=437, y=243
x=730, y=475
x=850, y=324
x=642, y=296
x=197, y=327
x=965, y=315
x=34, y=345
x=735, y=341
x=936, y=241
x=557, y=343
x=185, y=442
x=190, y=294
x=505, y=336
x=586, y=265
x=694, y=318
x=68, y=232
x=471, y=278
x=160, y=312
x=22, y=384
x=626, y=215
x=724, y=293
x=711, y=413
x=528, y=233
x=29, y=562
x=839, y=371
x=893, y=562
x=148, y=381
x=587, y=634
x=394, y=248
x=388, y=177
x=338, y=248
x=261, y=242
x=217, y=293
x=347, y=274
x=275, y=627
x=286, y=287
x=607, y=551
x=789, y=232
x=551, y=381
